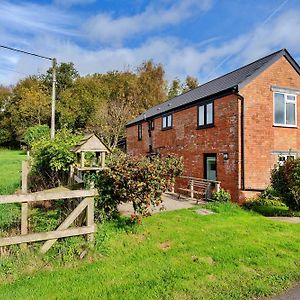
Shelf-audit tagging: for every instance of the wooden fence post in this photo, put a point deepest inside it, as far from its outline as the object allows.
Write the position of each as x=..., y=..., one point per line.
x=24, y=205
x=192, y=188
x=90, y=217
x=103, y=160
x=173, y=188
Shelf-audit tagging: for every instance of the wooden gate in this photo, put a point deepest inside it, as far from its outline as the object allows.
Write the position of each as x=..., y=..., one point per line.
x=63, y=230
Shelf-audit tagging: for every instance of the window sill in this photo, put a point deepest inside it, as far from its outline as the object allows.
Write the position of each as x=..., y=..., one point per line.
x=167, y=128
x=206, y=126
x=285, y=126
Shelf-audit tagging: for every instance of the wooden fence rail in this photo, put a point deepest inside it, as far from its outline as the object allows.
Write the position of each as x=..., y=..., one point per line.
x=63, y=230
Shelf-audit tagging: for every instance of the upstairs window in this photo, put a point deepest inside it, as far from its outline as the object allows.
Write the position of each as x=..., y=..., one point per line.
x=167, y=121
x=152, y=125
x=285, y=110
x=140, y=132
x=206, y=115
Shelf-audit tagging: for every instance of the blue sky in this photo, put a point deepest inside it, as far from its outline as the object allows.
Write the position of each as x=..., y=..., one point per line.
x=203, y=38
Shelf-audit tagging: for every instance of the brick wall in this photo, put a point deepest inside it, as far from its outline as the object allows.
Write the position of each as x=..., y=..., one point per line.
x=184, y=139
x=261, y=137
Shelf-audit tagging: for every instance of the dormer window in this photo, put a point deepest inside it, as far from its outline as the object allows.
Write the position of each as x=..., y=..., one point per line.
x=167, y=121
x=285, y=113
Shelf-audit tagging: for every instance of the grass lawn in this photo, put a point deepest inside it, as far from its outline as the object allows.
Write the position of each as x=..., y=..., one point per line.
x=10, y=170
x=232, y=254
x=10, y=175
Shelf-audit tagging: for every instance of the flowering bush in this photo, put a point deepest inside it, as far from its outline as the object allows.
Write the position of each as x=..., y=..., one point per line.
x=138, y=180
x=285, y=181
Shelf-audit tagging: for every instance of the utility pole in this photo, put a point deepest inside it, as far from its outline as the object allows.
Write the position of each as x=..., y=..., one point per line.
x=53, y=98
x=53, y=82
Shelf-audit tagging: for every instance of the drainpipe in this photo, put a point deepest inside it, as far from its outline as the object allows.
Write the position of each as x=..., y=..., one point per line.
x=242, y=142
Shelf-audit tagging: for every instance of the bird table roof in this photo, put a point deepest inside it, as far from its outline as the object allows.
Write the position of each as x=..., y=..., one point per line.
x=90, y=143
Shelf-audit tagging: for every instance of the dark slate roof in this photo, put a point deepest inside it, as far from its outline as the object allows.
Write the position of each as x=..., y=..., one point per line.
x=235, y=79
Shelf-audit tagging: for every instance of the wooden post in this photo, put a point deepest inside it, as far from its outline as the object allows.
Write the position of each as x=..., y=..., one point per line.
x=82, y=160
x=192, y=188
x=25, y=172
x=71, y=176
x=24, y=205
x=90, y=217
x=217, y=186
x=103, y=159
x=173, y=188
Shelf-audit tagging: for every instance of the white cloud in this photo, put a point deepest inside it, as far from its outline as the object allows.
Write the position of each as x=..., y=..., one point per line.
x=282, y=32
x=29, y=18
x=46, y=34
x=106, y=28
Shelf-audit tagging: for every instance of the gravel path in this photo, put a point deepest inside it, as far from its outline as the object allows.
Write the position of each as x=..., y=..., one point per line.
x=293, y=220
x=291, y=294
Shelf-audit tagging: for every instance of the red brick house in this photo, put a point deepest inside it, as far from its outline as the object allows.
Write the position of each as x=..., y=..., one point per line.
x=232, y=129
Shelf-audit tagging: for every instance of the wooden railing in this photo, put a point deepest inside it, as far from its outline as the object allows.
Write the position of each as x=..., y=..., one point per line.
x=63, y=230
x=203, y=186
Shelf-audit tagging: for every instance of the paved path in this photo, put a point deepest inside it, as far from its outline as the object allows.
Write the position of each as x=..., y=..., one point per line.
x=170, y=202
x=293, y=220
x=291, y=294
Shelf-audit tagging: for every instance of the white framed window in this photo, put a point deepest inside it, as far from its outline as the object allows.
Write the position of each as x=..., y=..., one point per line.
x=140, y=132
x=284, y=157
x=167, y=121
x=206, y=115
x=285, y=110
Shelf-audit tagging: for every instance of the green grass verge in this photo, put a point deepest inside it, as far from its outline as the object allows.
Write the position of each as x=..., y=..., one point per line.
x=233, y=254
x=10, y=177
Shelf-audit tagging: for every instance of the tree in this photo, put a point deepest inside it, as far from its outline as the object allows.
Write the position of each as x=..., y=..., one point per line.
x=77, y=104
x=6, y=132
x=30, y=105
x=175, y=89
x=65, y=77
x=115, y=105
x=151, y=85
x=190, y=83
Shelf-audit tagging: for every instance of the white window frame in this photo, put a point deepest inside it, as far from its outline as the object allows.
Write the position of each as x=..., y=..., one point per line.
x=285, y=158
x=205, y=122
x=285, y=102
x=168, y=121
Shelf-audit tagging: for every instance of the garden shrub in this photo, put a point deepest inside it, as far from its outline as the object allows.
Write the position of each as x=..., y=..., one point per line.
x=51, y=160
x=140, y=180
x=272, y=206
x=36, y=133
x=285, y=181
x=221, y=196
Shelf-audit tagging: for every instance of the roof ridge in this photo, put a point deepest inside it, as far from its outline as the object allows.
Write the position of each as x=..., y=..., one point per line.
x=217, y=78
x=253, y=62
x=235, y=78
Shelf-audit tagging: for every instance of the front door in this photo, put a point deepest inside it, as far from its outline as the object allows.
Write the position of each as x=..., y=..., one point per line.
x=210, y=166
